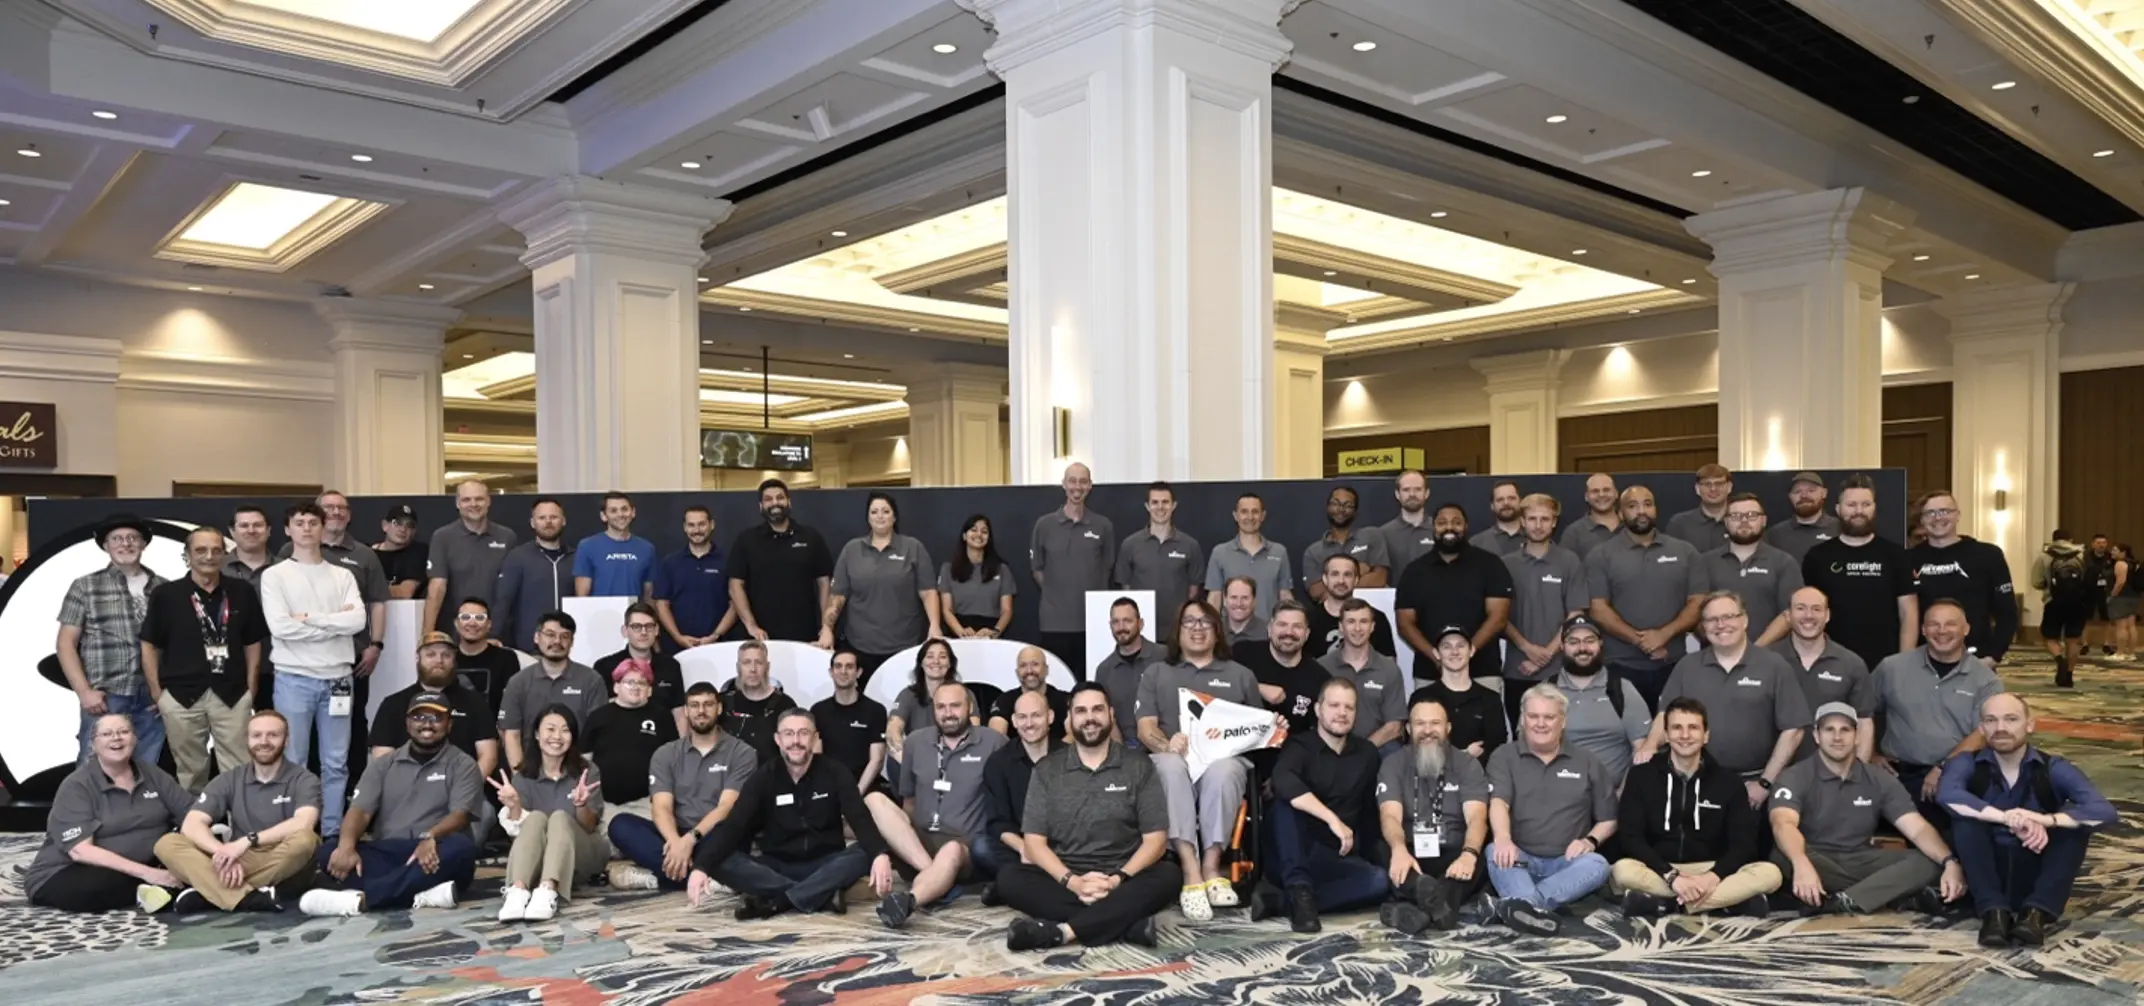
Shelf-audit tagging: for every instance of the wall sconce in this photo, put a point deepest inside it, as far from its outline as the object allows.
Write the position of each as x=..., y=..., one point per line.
x=2002, y=500
x=1061, y=427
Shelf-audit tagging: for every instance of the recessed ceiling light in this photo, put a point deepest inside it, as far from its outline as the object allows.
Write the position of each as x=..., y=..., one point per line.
x=1438, y=215
x=945, y=48
x=2103, y=153
x=1700, y=173
x=1578, y=251
x=1972, y=275
x=1689, y=281
x=1911, y=99
x=1445, y=339
x=2002, y=85
x=1365, y=45
x=102, y=114
x=424, y=286
x=361, y=158
x=915, y=330
x=689, y=165
x=703, y=281
x=1554, y=119
x=1330, y=272
x=707, y=342
x=1923, y=257
x=840, y=234
x=1632, y=311
x=193, y=289
x=4, y=202
x=30, y=152
x=744, y=309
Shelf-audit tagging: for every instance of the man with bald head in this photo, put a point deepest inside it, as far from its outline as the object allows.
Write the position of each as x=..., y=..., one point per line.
x=1601, y=520
x=1036, y=732
x=1646, y=591
x=465, y=557
x=1827, y=671
x=943, y=807
x=1073, y=550
x=2020, y=820
x=1032, y=667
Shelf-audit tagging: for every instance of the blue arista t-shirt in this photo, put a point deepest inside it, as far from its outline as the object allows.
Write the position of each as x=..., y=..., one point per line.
x=614, y=568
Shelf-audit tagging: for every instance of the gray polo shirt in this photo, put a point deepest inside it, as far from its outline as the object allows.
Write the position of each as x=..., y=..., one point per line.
x=127, y=822
x=1404, y=542
x=1253, y=631
x=1702, y=532
x=1074, y=557
x=1552, y=802
x=1222, y=679
x=407, y=796
x=1766, y=583
x=1591, y=724
x=1440, y=801
x=1268, y=568
x=1119, y=675
x=1838, y=675
x=1094, y=819
x=1169, y=568
x=1544, y=592
x=697, y=781
x=1646, y=584
x=1381, y=691
x=976, y=597
x=1366, y=545
x=884, y=587
x=555, y=796
x=469, y=561
x=530, y=691
x=1747, y=708
x=1840, y=813
x=1926, y=716
x=1585, y=534
x=1495, y=542
x=1796, y=538
x=959, y=807
x=255, y=806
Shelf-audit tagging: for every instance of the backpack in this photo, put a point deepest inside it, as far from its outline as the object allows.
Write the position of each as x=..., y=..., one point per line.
x=2041, y=785
x=1615, y=691
x=2067, y=578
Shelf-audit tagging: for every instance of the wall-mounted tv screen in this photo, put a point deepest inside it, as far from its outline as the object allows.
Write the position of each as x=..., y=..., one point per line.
x=758, y=450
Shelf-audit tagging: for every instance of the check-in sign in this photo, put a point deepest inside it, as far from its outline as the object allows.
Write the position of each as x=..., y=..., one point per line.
x=1378, y=459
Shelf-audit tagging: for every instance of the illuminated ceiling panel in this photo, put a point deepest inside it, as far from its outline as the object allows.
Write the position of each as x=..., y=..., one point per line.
x=416, y=20
x=264, y=228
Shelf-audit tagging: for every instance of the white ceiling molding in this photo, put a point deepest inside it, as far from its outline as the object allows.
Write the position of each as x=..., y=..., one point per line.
x=37, y=357
x=330, y=225
x=849, y=313
x=1516, y=321
x=2062, y=42
x=189, y=374
x=487, y=32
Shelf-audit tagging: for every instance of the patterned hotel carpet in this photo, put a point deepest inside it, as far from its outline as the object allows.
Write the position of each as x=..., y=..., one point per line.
x=651, y=949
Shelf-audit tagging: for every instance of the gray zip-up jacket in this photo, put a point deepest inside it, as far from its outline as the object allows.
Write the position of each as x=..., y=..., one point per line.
x=532, y=579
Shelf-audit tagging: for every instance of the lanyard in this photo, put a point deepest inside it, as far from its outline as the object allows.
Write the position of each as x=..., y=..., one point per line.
x=212, y=630
x=1421, y=824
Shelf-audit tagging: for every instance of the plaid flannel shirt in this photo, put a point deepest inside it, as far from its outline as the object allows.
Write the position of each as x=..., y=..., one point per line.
x=110, y=617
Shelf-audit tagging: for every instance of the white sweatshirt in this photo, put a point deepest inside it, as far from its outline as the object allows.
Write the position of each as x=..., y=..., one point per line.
x=326, y=594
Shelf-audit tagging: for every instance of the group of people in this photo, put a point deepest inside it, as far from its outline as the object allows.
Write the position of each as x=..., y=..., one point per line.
x=2087, y=591
x=1553, y=669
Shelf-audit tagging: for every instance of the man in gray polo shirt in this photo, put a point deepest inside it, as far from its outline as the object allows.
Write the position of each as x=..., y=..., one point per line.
x=1600, y=522
x=272, y=807
x=1073, y=550
x=1550, y=808
x=1381, y=688
x=1645, y=595
x=1594, y=720
x=1930, y=698
x=1253, y=556
x=1373, y=566
x=944, y=813
x=1408, y=535
x=1827, y=671
x=1505, y=536
x=1824, y=811
x=1704, y=526
x=1119, y=673
x=1239, y=604
x=1548, y=588
x=553, y=678
x=1163, y=559
x=692, y=784
x=1810, y=525
x=465, y=557
x=1753, y=706
x=1763, y=576
x=417, y=803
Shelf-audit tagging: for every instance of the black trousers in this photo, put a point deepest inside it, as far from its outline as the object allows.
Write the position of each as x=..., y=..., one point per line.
x=1456, y=892
x=84, y=888
x=978, y=621
x=1032, y=892
x=868, y=664
x=1070, y=647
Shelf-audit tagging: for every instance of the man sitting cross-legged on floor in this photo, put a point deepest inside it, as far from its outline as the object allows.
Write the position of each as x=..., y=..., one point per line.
x=1688, y=830
x=946, y=813
x=417, y=802
x=1433, y=807
x=1551, y=806
x=1324, y=804
x=692, y=784
x=272, y=807
x=1036, y=733
x=1095, y=832
x=794, y=810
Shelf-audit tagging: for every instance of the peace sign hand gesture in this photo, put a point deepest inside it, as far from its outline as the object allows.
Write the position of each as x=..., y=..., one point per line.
x=581, y=791
x=508, y=798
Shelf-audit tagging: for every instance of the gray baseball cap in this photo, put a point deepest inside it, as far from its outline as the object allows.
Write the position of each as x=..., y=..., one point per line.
x=1836, y=709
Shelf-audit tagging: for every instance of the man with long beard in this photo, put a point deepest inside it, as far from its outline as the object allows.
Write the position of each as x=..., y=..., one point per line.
x=1433, y=807
x=1869, y=579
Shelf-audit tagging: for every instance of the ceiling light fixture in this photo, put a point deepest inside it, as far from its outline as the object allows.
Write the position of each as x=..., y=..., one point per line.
x=1578, y=251
x=2002, y=85
x=1911, y=99
x=689, y=165
x=1632, y=311
x=193, y=289
x=945, y=48
x=425, y=286
x=703, y=281
x=361, y=158
x=848, y=356
x=1689, y=281
x=2103, y=153
x=1700, y=173
x=1330, y=272
x=468, y=356
x=1365, y=46
x=744, y=309
x=915, y=330
x=30, y=152
x=707, y=342
x=840, y=234
x=106, y=116
x=1923, y=257
x=1554, y=119
x=4, y=202
x=1972, y=275
x=1438, y=215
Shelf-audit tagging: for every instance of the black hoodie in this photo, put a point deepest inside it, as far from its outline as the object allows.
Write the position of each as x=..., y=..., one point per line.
x=1668, y=818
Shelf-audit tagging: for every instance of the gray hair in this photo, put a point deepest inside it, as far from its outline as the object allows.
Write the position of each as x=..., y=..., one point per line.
x=1549, y=693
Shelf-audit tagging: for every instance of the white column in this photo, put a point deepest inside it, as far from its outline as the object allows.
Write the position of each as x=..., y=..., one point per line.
x=1299, y=350
x=389, y=432
x=1801, y=315
x=617, y=331
x=1522, y=410
x=2004, y=437
x=1139, y=148
x=830, y=463
x=954, y=437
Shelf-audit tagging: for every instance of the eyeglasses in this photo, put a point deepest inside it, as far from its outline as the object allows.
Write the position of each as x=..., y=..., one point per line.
x=432, y=718
x=1940, y=512
x=123, y=540
x=472, y=616
x=636, y=682
x=112, y=735
x=1197, y=623
x=1745, y=518
x=641, y=626
x=1723, y=619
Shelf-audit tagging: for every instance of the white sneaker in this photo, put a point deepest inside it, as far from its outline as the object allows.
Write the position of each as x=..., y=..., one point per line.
x=543, y=903
x=1221, y=894
x=332, y=904
x=1192, y=902
x=626, y=876
x=515, y=906
x=441, y=896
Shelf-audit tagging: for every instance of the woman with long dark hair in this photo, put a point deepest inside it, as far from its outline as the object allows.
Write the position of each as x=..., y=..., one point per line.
x=2122, y=597
x=935, y=665
x=552, y=809
x=976, y=588
x=882, y=583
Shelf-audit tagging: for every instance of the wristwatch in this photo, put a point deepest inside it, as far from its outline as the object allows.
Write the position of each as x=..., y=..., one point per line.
x=253, y=838
x=1590, y=840
x=1066, y=880
x=1766, y=783
x=1947, y=860
x=1120, y=875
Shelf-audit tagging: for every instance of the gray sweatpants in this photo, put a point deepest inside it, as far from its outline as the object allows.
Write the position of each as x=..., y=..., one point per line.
x=1872, y=878
x=1208, y=809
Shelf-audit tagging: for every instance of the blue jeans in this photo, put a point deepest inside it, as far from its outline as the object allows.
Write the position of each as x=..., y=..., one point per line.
x=389, y=879
x=148, y=726
x=806, y=884
x=1339, y=882
x=990, y=854
x=304, y=702
x=2002, y=873
x=1549, y=882
x=637, y=840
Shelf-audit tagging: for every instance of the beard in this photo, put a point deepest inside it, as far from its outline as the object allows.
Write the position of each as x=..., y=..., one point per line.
x=1506, y=514
x=1745, y=537
x=1450, y=543
x=1806, y=509
x=1091, y=734
x=774, y=514
x=1858, y=525
x=1572, y=666
x=1430, y=758
x=1641, y=524
x=953, y=729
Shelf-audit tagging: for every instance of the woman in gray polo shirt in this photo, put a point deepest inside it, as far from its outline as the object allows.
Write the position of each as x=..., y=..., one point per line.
x=100, y=837
x=553, y=809
x=884, y=598
x=976, y=588
x=935, y=665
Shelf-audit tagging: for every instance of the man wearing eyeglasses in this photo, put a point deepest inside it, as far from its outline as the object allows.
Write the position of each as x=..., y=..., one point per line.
x=1973, y=573
x=484, y=663
x=100, y=631
x=553, y=678
x=469, y=726
x=643, y=631
x=1763, y=576
x=1704, y=526
x=1754, y=706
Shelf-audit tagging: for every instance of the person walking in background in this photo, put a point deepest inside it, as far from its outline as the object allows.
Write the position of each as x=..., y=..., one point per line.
x=2065, y=588
x=2122, y=602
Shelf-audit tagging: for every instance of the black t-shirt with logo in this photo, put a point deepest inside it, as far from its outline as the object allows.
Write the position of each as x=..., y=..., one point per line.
x=621, y=742
x=1301, y=683
x=752, y=720
x=488, y=671
x=846, y=732
x=1863, y=584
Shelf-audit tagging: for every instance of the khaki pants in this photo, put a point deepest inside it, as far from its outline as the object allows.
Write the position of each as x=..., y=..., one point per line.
x=554, y=848
x=264, y=867
x=637, y=808
x=1752, y=879
x=187, y=732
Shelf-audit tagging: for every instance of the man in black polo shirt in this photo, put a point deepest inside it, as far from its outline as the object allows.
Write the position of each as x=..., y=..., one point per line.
x=1869, y=579
x=780, y=572
x=471, y=726
x=1455, y=584
x=402, y=557
x=642, y=631
x=201, y=656
x=852, y=725
x=1324, y=825
x=1036, y=733
x=1032, y=667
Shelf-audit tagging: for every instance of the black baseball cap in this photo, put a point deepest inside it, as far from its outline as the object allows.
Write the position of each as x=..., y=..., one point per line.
x=1453, y=630
x=401, y=512
x=429, y=700
x=1580, y=623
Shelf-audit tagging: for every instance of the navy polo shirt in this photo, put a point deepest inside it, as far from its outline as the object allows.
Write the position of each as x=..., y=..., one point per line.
x=697, y=587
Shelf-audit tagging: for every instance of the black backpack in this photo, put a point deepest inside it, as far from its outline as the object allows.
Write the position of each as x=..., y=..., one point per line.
x=2036, y=776
x=2067, y=577
x=1615, y=691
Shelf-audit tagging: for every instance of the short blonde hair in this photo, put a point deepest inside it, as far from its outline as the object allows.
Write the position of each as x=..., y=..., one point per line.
x=1541, y=501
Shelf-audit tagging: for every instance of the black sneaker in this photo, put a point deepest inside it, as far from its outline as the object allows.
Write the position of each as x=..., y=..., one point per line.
x=895, y=909
x=1995, y=929
x=1303, y=909
x=1144, y=933
x=1032, y=934
x=2106, y=651
x=1434, y=897
x=190, y=902
x=1265, y=902
x=751, y=907
x=1928, y=901
x=838, y=904
x=2031, y=929
x=1404, y=916
x=1638, y=904
x=259, y=899
x=1756, y=906
x=2063, y=678
x=1526, y=918
x=989, y=896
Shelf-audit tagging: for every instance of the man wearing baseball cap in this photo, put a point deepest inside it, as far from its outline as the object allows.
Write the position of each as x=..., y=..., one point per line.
x=1805, y=495
x=1824, y=811
x=416, y=802
x=1606, y=716
x=402, y=556
x=1474, y=714
x=471, y=726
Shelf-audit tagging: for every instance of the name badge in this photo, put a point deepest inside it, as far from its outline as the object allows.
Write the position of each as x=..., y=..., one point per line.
x=339, y=698
x=943, y=785
x=784, y=799
x=1428, y=844
x=216, y=655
